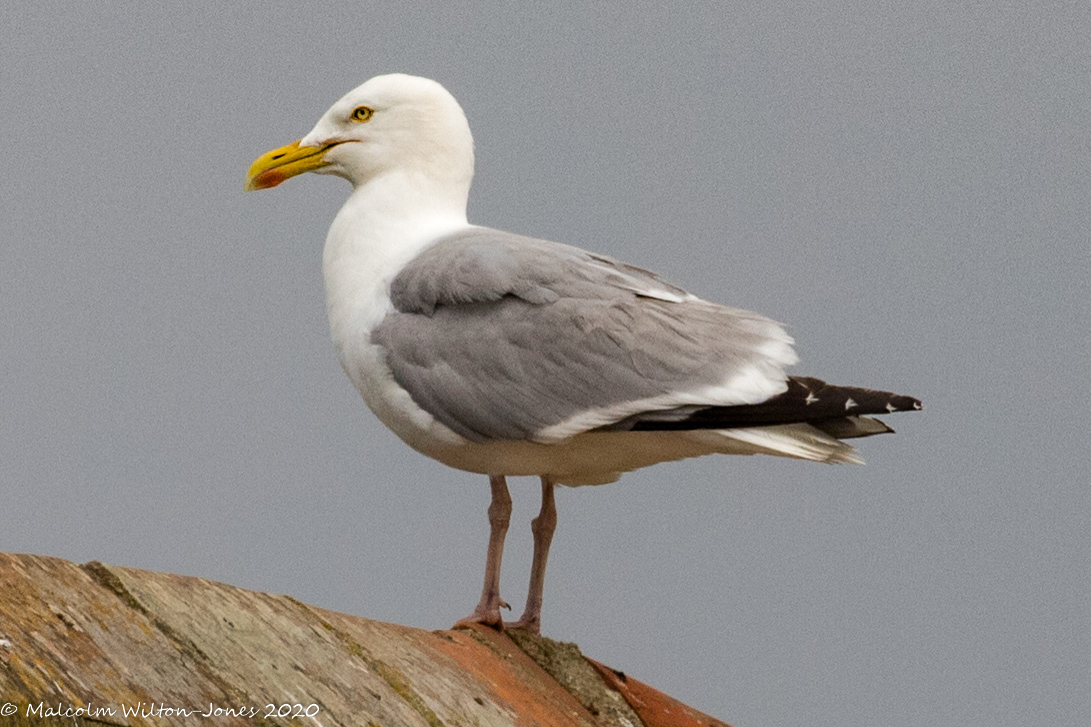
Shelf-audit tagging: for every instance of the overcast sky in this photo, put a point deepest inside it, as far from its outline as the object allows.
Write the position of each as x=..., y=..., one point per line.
x=906, y=186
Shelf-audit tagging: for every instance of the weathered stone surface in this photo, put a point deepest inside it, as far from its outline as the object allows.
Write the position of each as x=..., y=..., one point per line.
x=97, y=644
x=565, y=663
x=655, y=708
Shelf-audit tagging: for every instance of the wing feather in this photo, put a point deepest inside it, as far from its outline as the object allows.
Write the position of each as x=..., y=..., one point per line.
x=504, y=337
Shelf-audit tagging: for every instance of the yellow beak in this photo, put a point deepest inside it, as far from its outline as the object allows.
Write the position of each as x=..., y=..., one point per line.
x=272, y=168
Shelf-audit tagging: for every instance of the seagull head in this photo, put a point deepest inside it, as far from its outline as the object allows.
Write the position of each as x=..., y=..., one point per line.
x=392, y=124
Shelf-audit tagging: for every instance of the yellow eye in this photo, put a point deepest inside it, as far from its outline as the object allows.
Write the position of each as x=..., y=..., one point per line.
x=362, y=113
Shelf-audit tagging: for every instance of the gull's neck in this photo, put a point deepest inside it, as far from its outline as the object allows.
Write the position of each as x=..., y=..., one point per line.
x=385, y=223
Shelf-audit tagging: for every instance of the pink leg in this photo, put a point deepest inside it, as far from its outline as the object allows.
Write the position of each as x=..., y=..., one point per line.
x=542, y=527
x=488, y=610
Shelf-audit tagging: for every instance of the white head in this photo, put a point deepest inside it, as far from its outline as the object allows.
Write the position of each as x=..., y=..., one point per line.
x=393, y=124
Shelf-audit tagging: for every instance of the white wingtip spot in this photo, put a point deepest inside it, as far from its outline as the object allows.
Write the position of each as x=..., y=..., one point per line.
x=811, y=398
x=917, y=405
x=849, y=403
x=889, y=406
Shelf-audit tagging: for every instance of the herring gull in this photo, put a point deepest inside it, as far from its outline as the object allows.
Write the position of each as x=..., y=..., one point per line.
x=507, y=355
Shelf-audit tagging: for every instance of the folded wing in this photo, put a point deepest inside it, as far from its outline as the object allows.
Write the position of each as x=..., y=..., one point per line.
x=504, y=337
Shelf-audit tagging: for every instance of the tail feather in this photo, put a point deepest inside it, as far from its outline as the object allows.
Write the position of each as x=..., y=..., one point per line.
x=798, y=441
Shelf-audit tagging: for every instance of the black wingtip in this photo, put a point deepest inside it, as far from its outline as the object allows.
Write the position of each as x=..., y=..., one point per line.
x=900, y=402
x=807, y=399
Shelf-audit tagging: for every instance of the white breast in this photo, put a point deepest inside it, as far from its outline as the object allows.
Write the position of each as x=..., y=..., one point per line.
x=364, y=252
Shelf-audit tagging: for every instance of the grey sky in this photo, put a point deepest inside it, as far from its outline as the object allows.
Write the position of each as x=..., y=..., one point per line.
x=906, y=187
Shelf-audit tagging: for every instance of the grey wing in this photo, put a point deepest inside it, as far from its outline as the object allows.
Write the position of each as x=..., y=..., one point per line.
x=503, y=337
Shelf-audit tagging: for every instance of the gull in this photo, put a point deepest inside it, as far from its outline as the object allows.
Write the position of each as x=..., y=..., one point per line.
x=507, y=355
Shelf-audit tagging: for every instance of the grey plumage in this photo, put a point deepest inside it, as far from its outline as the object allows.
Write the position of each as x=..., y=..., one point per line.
x=501, y=336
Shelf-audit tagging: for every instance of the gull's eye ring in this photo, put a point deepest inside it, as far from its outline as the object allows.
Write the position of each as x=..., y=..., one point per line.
x=362, y=113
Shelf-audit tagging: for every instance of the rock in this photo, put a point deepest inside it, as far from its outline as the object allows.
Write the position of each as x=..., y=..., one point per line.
x=97, y=644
